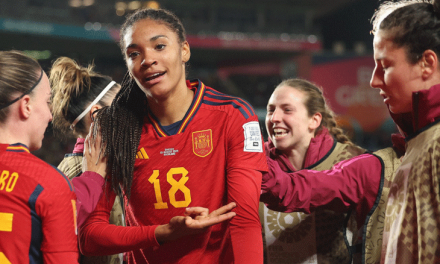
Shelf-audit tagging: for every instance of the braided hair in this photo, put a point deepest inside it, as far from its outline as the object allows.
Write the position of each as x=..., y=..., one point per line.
x=316, y=103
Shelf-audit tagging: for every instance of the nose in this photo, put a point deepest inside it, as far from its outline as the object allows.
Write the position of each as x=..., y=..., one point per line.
x=377, y=78
x=148, y=61
x=276, y=116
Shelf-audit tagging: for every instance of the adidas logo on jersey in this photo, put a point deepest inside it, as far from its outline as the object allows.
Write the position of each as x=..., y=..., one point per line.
x=142, y=154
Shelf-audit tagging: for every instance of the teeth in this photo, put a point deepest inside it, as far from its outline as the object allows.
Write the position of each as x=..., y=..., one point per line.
x=153, y=76
x=278, y=132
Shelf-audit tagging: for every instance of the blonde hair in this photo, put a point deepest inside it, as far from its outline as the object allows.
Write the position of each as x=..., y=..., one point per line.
x=73, y=88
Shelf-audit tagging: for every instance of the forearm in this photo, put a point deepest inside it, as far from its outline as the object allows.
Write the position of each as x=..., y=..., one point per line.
x=346, y=185
x=88, y=190
x=106, y=239
x=245, y=227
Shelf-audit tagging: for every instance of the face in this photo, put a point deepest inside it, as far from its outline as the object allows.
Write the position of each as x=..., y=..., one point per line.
x=155, y=58
x=40, y=112
x=394, y=76
x=287, y=121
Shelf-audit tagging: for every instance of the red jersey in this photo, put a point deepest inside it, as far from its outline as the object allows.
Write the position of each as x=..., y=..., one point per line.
x=37, y=210
x=215, y=157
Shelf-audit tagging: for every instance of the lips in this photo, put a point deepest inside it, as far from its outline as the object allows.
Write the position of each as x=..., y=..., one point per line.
x=279, y=132
x=154, y=76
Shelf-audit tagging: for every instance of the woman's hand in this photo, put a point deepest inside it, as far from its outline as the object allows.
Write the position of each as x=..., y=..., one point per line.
x=196, y=220
x=93, y=159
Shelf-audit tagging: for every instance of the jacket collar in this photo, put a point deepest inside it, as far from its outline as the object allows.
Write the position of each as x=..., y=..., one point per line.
x=319, y=146
x=426, y=110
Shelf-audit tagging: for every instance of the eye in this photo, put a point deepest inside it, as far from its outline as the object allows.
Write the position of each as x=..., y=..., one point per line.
x=160, y=46
x=132, y=54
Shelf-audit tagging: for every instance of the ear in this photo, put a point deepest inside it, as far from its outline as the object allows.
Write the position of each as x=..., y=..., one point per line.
x=25, y=107
x=186, y=52
x=429, y=64
x=315, y=121
x=92, y=111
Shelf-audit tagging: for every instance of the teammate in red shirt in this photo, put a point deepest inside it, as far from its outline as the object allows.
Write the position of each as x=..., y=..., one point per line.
x=191, y=146
x=38, y=203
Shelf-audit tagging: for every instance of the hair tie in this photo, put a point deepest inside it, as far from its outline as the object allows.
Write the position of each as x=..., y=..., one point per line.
x=103, y=92
x=21, y=96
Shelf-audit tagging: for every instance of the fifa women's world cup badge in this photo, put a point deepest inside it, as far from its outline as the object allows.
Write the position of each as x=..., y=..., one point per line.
x=202, y=142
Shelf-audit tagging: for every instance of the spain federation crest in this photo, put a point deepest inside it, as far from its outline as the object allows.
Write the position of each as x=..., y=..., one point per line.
x=202, y=142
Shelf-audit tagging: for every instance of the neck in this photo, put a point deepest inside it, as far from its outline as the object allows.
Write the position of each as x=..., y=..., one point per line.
x=297, y=156
x=173, y=108
x=12, y=133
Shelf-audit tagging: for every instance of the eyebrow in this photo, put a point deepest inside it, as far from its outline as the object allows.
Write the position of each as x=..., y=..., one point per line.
x=134, y=45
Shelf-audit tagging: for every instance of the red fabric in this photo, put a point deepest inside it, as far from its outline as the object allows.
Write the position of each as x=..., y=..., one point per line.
x=88, y=190
x=98, y=237
x=426, y=110
x=208, y=164
x=41, y=204
x=319, y=146
x=352, y=183
x=79, y=146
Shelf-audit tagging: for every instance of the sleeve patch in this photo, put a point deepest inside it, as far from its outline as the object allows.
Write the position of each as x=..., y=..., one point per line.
x=252, y=137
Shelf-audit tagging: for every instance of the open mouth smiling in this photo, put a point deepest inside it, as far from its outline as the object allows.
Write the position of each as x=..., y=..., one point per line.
x=154, y=76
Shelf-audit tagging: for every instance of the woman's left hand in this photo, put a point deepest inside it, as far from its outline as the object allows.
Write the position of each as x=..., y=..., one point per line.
x=93, y=159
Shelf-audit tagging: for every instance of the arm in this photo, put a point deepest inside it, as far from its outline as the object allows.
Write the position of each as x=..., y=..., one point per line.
x=350, y=183
x=88, y=186
x=88, y=189
x=244, y=172
x=98, y=237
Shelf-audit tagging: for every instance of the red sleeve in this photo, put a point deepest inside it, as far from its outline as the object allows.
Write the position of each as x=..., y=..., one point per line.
x=352, y=183
x=88, y=189
x=99, y=237
x=56, y=207
x=246, y=160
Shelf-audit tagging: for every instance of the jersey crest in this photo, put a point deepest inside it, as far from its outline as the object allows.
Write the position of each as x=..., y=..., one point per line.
x=202, y=142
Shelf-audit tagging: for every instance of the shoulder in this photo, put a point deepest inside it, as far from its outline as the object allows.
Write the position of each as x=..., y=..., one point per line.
x=228, y=103
x=48, y=175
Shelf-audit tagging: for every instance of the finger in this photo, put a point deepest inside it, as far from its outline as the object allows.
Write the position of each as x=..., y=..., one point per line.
x=209, y=221
x=197, y=211
x=87, y=150
x=223, y=209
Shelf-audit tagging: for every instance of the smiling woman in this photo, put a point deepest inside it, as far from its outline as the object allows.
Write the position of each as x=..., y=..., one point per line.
x=303, y=134
x=175, y=143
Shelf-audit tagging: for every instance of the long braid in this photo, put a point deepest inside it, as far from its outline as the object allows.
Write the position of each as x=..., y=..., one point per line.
x=121, y=128
x=328, y=121
x=122, y=122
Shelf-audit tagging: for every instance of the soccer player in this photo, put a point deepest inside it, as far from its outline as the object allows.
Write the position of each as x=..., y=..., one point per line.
x=303, y=134
x=172, y=144
x=77, y=93
x=38, y=203
x=404, y=207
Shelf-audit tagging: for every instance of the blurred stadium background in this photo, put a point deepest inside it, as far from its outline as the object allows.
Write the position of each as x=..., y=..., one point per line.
x=240, y=47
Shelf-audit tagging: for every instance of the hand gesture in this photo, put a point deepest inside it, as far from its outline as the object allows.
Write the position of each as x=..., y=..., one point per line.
x=196, y=220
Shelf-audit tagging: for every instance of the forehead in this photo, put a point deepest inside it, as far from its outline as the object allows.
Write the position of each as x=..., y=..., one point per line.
x=287, y=95
x=145, y=29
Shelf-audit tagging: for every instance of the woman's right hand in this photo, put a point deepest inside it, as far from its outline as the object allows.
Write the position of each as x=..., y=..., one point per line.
x=93, y=159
